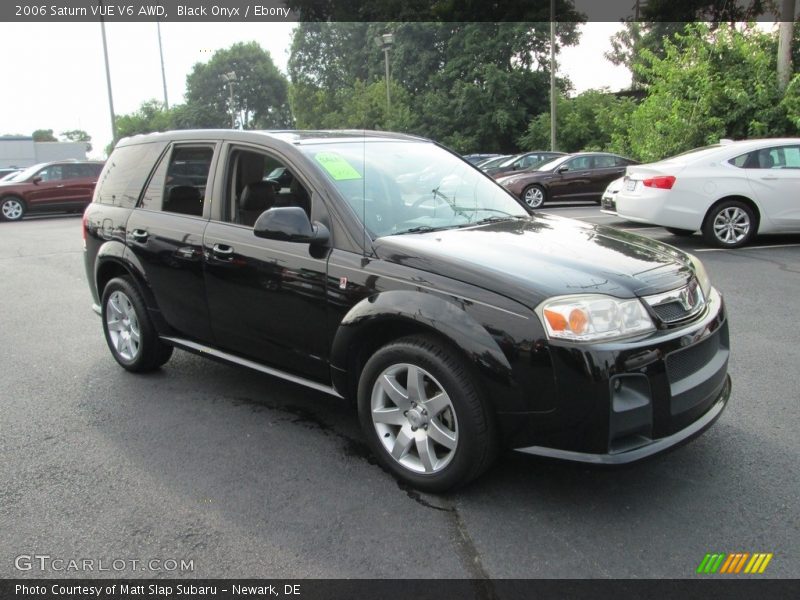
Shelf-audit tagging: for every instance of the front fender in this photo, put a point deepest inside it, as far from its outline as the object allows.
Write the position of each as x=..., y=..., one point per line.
x=445, y=318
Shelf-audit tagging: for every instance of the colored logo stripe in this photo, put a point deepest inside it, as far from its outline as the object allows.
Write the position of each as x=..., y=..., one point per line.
x=734, y=563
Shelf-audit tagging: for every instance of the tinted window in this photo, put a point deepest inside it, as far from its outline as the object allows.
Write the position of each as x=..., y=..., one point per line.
x=604, y=162
x=52, y=173
x=121, y=182
x=179, y=183
x=779, y=157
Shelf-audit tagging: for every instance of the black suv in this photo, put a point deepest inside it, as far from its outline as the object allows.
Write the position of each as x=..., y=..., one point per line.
x=388, y=270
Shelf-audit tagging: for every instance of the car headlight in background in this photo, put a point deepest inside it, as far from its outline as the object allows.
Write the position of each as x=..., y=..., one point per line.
x=593, y=317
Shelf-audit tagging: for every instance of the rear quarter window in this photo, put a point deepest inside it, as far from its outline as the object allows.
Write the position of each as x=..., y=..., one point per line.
x=125, y=174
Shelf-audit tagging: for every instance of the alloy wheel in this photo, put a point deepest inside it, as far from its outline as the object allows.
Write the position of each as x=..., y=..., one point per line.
x=731, y=225
x=123, y=325
x=414, y=418
x=12, y=209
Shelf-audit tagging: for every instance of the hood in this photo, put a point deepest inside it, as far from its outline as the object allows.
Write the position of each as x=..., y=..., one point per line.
x=543, y=256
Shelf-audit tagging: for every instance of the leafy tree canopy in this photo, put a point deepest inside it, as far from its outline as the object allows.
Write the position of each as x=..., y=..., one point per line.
x=472, y=86
x=260, y=95
x=78, y=135
x=590, y=121
x=709, y=85
x=43, y=135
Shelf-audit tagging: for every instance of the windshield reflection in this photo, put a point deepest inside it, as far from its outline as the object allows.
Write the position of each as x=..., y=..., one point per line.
x=397, y=187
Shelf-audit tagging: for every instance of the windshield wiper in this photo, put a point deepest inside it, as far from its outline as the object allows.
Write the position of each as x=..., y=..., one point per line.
x=496, y=219
x=421, y=229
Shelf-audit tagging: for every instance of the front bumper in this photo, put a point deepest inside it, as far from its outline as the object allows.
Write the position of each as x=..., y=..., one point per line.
x=648, y=449
x=621, y=402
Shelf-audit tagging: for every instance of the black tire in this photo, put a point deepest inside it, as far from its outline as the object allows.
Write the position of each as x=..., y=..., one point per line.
x=680, y=232
x=729, y=224
x=122, y=304
x=534, y=196
x=465, y=418
x=12, y=208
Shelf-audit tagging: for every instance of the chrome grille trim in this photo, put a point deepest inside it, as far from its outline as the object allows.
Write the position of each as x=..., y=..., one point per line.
x=677, y=305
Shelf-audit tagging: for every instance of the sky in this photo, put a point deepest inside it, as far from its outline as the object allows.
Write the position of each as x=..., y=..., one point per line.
x=55, y=76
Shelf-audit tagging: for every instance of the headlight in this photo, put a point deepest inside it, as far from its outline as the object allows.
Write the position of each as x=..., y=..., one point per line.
x=702, y=276
x=593, y=317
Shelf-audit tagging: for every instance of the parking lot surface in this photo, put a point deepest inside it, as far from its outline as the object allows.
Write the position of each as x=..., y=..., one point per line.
x=245, y=475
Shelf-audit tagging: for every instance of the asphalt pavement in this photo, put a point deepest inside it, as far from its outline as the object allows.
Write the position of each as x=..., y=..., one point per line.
x=244, y=475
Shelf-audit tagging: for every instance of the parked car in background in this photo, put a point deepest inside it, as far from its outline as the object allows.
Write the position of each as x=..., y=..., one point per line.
x=47, y=187
x=8, y=172
x=492, y=162
x=394, y=274
x=608, y=201
x=476, y=158
x=580, y=176
x=520, y=162
x=729, y=191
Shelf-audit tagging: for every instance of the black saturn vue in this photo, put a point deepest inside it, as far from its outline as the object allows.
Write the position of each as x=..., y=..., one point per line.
x=383, y=268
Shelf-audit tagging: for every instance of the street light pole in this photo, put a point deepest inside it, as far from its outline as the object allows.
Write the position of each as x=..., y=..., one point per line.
x=553, y=104
x=385, y=42
x=108, y=78
x=230, y=79
x=163, y=72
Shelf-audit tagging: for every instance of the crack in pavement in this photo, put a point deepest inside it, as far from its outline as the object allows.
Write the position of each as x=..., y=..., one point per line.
x=465, y=547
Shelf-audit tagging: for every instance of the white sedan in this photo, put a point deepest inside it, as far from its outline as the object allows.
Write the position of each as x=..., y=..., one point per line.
x=730, y=191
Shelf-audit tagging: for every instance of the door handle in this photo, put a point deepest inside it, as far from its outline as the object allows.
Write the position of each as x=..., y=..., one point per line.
x=222, y=251
x=60, y=186
x=185, y=252
x=769, y=178
x=139, y=235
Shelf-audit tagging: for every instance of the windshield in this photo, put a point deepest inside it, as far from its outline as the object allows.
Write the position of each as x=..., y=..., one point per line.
x=509, y=161
x=551, y=164
x=25, y=173
x=399, y=187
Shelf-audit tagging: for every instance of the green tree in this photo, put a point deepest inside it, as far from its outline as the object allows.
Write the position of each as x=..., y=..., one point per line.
x=472, y=86
x=43, y=135
x=588, y=121
x=260, y=97
x=78, y=135
x=151, y=116
x=709, y=85
x=661, y=20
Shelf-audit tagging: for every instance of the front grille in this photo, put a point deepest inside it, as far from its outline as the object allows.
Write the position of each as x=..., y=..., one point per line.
x=677, y=305
x=672, y=311
x=683, y=363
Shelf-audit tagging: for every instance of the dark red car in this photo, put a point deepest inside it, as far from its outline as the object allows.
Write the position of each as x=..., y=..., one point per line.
x=580, y=176
x=55, y=186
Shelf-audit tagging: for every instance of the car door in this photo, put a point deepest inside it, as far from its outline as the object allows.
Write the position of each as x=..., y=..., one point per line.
x=49, y=188
x=774, y=175
x=571, y=179
x=79, y=182
x=164, y=237
x=266, y=298
x=605, y=169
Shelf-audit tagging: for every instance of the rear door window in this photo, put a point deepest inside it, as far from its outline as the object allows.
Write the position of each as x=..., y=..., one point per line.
x=125, y=173
x=180, y=181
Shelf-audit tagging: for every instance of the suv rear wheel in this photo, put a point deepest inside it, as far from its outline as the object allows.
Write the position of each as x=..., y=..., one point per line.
x=130, y=334
x=423, y=416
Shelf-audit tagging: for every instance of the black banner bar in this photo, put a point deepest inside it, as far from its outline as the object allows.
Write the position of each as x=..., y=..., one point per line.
x=190, y=11
x=706, y=588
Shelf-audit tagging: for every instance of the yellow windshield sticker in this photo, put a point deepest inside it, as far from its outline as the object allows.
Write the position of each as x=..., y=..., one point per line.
x=336, y=166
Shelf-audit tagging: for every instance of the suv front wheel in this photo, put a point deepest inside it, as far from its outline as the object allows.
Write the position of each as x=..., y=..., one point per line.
x=130, y=334
x=423, y=416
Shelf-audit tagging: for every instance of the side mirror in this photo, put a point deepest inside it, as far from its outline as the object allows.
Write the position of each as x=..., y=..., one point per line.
x=290, y=224
x=36, y=180
x=563, y=169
